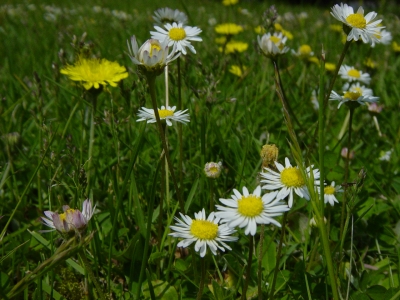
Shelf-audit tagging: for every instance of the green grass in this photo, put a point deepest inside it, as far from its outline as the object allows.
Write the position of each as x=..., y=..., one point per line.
x=45, y=127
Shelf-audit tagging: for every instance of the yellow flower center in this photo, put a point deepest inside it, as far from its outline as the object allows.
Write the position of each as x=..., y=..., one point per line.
x=177, y=34
x=164, y=113
x=356, y=20
x=329, y=190
x=352, y=95
x=63, y=216
x=204, y=230
x=354, y=73
x=250, y=206
x=305, y=50
x=213, y=170
x=291, y=177
x=275, y=39
x=154, y=47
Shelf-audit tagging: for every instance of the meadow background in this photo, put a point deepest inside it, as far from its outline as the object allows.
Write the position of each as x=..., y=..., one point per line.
x=44, y=128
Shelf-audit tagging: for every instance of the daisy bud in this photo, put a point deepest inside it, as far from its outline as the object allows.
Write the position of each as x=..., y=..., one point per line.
x=212, y=169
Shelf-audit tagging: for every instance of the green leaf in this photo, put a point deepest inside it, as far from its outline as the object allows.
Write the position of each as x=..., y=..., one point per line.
x=376, y=292
x=162, y=290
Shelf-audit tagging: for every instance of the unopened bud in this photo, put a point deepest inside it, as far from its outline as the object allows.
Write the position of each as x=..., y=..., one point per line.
x=212, y=169
x=269, y=154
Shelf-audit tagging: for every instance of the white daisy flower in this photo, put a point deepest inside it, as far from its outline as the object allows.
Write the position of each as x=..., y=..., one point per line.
x=204, y=231
x=329, y=193
x=178, y=35
x=287, y=180
x=152, y=55
x=357, y=87
x=304, y=52
x=168, y=15
x=213, y=169
x=352, y=74
x=166, y=113
x=248, y=210
x=359, y=26
x=272, y=45
x=71, y=220
x=352, y=97
x=384, y=37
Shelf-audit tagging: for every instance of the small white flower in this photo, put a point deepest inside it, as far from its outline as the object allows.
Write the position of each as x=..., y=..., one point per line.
x=166, y=113
x=357, y=87
x=353, y=97
x=168, y=15
x=178, y=35
x=385, y=155
x=384, y=37
x=329, y=193
x=272, y=45
x=352, y=74
x=360, y=26
x=204, y=231
x=212, y=169
x=153, y=55
x=248, y=210
x=288, y=179
x=304, y=52
x=71, y=220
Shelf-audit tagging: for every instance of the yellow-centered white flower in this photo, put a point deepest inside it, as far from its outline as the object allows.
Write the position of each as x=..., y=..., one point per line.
x=272, y=45
x=204, y=231
x=166, y=113
x=350, y=73
x=329, y=193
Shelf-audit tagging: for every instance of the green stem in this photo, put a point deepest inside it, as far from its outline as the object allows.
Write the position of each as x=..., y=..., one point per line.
x=278, y=256
x=260, y=255
x=211, y=181
x=89, y=270
x=90, y=157
x=321, y=133
x=202, y=278
x=179, y=107
x=151, y=79
x=248, y=270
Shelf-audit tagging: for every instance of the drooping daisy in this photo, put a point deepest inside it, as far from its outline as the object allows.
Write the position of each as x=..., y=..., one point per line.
x=95, y=72
x=287, y=180
x=384, y=37
x=353, y=96
x=212, y=169
x=178, y=35
x=272, y=45
x=352, y=74
x=329, y=193
x=152, y=55
x=71, y=220
x=234, y=46
x=358, y=25
x=228, y=29
x=168, y=15
x=204, y=231
x=166, y=113
x=248, y=210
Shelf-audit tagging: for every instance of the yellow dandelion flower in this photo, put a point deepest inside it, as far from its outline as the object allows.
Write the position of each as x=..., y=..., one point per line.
x=330, y=67
x=314, y=59
x=229, y=2
x=395, y=47
x=220, y=40
x=336, y=28
x=259, y=30
x=237, y=70
x=234, y=46
x=369, y=63
x=95, y=72
x=228, y=29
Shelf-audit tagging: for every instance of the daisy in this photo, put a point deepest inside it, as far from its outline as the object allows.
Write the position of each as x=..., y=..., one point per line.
x=357, y=87
x=304, y=52
x=228, y=29
x=166, y=113
x=352, y=74
x=288, y=179
x=384, y=37
x=95, y=72
x=353, y=96
x=168, y=15
x=272, y=45
x=248, y=210
x=71, y=220
x=212, y=169
x=152, y=55
x=178, y=35
x=358, y=25
x=204, y=231
x=329, y=193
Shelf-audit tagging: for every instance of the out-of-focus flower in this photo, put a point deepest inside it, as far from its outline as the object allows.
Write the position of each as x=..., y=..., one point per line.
x=375, y=108
x=248, y=210
x=356, y=87
x=234, y=46
x=204, y=231
x=278, y=27
x=313, y=223
x=152, y=55
x=395, y=47
x=259, y=30
x=384, y=37
x=287, y=180
x=352, y=74
x=304, y=52
x=178, y=36
x=71, y=220
x=314, y=100
x=369, y=63
x=229, y=2
x=166, y=113
x=269, y=155
x=336, y=28
x=213, y=169
x=237, y=70
x=95, y=72
x=272, y=45
x=329, y=193
x=168, y=15
x=220, y=40
x=330, y=67
x=385, y=155
x=228, y=29
x=344, y=152
x=353, y=96
x=358, y=26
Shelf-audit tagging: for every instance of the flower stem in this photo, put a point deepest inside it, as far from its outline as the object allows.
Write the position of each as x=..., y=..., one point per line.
x=278, y=256
x=89, y=270
x=151, y=79
x=202, y=278
x=248, y=270
x=179, y=107
x=260, y=255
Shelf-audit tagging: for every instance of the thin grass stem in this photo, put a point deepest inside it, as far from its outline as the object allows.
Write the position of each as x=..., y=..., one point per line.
x=248, y=269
